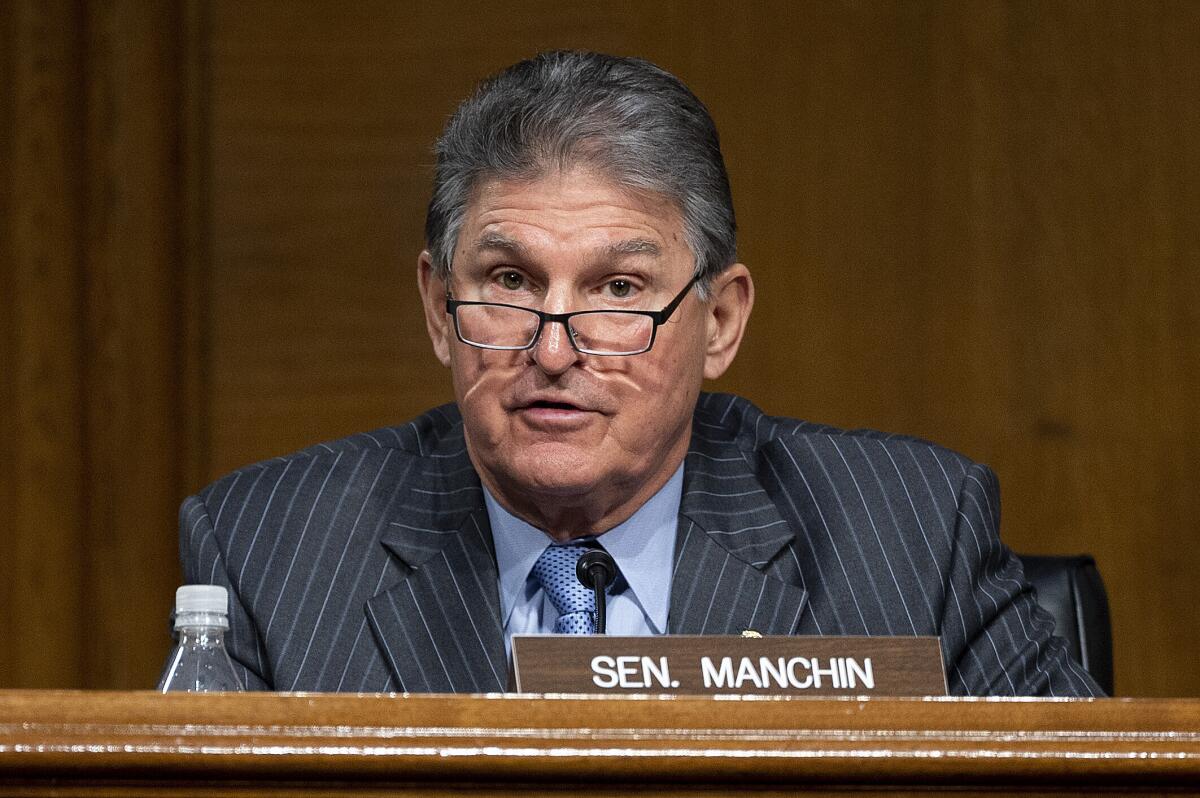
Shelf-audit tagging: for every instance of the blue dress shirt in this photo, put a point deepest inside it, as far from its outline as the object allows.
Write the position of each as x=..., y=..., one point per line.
x=642, y=546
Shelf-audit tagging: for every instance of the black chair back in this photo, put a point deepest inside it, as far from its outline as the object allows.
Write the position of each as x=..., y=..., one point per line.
x=1070, y=589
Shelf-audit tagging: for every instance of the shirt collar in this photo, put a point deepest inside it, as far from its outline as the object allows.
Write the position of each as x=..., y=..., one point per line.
x=643, y=547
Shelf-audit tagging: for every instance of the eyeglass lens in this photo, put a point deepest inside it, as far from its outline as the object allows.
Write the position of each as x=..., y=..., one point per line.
x=511, y=327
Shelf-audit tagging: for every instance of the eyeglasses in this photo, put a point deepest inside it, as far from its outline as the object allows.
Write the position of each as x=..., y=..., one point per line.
x=491, y=325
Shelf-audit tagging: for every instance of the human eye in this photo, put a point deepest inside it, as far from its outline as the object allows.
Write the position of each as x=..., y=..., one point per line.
x=509, y=284
x=510, y=280
x=620, y=288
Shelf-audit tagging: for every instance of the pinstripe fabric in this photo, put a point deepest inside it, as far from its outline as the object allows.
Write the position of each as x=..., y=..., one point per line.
x=367, y=564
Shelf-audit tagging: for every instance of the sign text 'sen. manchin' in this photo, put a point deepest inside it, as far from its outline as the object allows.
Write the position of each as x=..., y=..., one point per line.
x=721, y=664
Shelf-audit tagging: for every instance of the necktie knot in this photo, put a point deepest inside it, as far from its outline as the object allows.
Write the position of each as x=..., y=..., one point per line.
x=576, y=605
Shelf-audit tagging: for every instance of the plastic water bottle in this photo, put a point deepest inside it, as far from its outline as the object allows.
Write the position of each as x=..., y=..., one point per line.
x=200, y=663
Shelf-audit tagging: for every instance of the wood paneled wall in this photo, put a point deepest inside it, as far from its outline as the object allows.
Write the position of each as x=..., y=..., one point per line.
x=41, y=424
x=92, y=449
x=972, y=222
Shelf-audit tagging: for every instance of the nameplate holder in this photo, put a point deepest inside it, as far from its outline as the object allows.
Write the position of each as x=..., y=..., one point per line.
x=729, y=665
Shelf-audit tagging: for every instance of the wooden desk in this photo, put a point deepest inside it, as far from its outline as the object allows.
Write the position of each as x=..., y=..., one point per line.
x=108, y=743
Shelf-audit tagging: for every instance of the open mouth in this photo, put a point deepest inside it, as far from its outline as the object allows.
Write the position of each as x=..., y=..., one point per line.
x=540, y=405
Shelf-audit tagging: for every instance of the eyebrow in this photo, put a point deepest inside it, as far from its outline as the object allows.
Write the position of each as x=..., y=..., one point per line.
x=502, y=242
x=630, y=246
x=634, y=246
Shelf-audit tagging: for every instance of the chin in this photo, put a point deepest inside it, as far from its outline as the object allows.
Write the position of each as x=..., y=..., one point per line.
x=557, y=469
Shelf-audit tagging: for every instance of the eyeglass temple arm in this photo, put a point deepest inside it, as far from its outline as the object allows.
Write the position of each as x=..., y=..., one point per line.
x=663, y=315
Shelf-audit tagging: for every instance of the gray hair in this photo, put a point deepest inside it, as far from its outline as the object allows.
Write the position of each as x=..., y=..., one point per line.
x=627, y=118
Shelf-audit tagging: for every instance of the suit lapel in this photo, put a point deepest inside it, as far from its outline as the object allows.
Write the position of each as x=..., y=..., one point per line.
x=438, y=622
x=730, y=531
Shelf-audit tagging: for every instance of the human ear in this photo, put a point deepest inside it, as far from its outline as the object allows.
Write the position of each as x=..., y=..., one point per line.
x=728, y=309
x=433, y=299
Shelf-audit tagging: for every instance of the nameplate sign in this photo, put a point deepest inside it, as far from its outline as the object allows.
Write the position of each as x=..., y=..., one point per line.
x=818, y=666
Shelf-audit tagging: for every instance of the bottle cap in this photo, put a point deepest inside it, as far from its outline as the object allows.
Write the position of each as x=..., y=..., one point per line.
x=201, y=598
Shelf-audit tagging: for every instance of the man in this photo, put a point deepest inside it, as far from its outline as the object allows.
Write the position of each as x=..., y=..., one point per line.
x=580, y=281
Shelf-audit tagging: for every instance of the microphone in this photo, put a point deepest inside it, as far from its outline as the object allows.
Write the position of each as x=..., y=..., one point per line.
x=596, y=570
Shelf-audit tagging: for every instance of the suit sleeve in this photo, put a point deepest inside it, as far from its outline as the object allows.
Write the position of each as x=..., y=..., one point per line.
x=996, y=639
x=204, y=564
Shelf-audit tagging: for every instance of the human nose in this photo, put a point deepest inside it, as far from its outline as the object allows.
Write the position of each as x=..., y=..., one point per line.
x=553, y=352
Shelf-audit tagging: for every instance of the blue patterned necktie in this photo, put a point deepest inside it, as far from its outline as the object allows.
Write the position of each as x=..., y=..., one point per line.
x=555, y=570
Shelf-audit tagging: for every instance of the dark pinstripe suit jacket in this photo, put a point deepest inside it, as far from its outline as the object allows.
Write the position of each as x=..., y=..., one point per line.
x=367, y=564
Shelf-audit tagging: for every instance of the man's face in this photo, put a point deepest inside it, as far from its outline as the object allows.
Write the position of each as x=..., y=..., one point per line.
x=549, y=423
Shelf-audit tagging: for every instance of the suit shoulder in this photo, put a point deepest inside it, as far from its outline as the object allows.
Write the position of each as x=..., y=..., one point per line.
x=437, y=429
x=740, y=421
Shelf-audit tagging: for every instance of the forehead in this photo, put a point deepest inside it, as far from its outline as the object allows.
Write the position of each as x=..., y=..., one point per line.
x=574, y=209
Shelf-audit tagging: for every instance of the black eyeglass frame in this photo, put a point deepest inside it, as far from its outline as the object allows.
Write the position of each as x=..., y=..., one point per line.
x=659, y=317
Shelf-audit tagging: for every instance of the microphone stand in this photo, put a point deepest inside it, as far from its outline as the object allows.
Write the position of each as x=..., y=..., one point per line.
x=596, y=570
